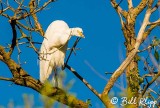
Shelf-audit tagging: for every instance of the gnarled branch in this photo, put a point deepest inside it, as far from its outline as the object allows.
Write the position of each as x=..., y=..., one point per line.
x=22, y=78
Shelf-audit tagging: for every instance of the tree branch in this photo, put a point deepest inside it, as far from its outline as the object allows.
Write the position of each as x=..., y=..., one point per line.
x=137, y=10
x=37, y=24
x=45, y=5
x=25, y=27
x=14, y=32
x=72, y=49
x=21, y=78
x=84, y=81
x=129, y=58
x=118, y=8
x=148, y=31
x=152, y=81
x=130, y=4
x=156, y=22
x=6, y=79
x=156, y=6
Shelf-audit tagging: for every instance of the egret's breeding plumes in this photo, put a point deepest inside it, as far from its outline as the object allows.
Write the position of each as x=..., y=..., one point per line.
x=54, y=46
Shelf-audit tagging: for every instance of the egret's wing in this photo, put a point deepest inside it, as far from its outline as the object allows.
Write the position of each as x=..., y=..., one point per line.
x=57, y=34
x=45, y=69
x=50, y=61
x=51, y=53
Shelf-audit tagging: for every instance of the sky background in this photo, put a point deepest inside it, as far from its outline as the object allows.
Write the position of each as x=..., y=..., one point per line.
x=102, y=50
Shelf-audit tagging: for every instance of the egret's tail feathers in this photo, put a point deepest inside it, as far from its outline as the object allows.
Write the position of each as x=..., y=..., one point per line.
x=44, y=75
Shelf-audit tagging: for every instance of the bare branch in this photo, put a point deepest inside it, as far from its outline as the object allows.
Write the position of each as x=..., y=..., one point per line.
x=152, y=81
x=142, y=30
x=19, y=52
x=5, y=15
x=3, y=10
x=45, y=4
x=37, y=24
x=156, y=6
x=20, y=3
x=25, y=27
x=129, y=58
x=14, y=32
x=21, y=78
x=29, y=40
x=84, y=81
x=33, y=11
x=148, y=31
x=156, y=22
x=118, y=8
x=150, y=3
x=32, y=46
x=149, y=47
x=72, y=49
x=140, y=7
x=102, y=76
x=6, y=79
x=130, y=4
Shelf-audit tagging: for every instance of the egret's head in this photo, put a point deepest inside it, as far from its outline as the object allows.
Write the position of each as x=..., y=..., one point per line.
x=77, y=32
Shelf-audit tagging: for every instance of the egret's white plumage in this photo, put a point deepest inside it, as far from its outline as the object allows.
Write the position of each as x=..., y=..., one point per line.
x=54, y=46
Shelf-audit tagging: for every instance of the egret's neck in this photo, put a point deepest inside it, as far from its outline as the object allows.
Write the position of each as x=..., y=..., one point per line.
x=72, y=31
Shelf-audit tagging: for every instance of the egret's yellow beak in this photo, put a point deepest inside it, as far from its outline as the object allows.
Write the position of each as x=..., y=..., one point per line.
x=81, y=34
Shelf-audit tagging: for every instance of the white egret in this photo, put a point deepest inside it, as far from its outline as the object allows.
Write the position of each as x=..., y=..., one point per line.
x=54, y=46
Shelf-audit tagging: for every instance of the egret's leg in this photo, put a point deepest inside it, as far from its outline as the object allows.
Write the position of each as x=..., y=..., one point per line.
x=55, y=78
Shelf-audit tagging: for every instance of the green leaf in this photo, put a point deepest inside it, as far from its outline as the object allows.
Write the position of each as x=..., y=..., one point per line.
x=156, y=55
x=88, y=101
x=141, y=80
x=156, y=41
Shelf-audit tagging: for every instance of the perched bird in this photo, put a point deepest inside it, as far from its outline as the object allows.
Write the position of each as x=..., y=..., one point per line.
x=54, y=46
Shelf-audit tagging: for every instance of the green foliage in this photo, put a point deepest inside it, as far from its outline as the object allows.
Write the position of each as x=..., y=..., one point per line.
x=156, y=41
x=141, y=80
x=47, y=102
x=28, y=100
x=155, y=44
x=137, y=58
x=88, y=101
x=156, y=55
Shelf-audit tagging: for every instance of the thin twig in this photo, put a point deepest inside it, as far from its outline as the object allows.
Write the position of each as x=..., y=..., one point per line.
x=152, y=81
x=118, y=8
x=72, y=49
x=156, y=22
x=35, y=18
x=130, y=4
x=45, y=4
x=6, y=79
x=32, y=45
x=25, y=27
x=102, y=76
x=84, y=81
x=156, y=6
x=149, y=47
x=19, y=52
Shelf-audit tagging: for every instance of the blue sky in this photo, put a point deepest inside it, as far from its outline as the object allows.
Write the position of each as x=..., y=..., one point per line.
x=101, y=51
